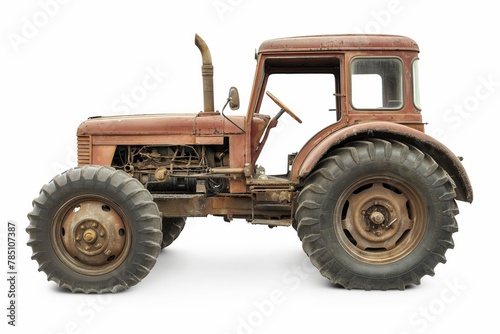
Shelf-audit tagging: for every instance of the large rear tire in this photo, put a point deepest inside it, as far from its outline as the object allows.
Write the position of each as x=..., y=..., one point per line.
x=377, y=214
x=95, y=229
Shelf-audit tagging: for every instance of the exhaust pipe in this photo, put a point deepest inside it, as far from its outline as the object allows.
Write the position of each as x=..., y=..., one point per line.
x=207, y=71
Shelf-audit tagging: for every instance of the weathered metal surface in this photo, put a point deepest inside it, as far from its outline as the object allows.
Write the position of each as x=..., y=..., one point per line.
x=335, y=43
x=201, y=124
x=377, y=217
x=117, y=128
x=84, y=150
x=272, y=222
x=228, y=206
x=239, y=139
x=91, y=235
x=195, y=165
x=207, y=71
x=103, y=154
x=330, y=137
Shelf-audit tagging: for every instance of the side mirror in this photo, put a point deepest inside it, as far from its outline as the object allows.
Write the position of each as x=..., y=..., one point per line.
x=234, y=98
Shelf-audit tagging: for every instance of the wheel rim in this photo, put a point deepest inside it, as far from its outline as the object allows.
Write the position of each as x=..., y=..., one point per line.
x=90, y=235
x=382, y=220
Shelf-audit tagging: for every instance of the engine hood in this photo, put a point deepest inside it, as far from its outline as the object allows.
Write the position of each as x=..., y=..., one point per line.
x=160, y=129
x=210, y=124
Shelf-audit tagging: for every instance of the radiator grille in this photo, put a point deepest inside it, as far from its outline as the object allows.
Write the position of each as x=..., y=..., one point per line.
x=84, y=150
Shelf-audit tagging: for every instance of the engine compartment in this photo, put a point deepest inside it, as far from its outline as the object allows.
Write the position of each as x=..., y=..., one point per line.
x=175, y=168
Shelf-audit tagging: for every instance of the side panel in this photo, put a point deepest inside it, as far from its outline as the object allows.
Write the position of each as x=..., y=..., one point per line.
x=141, y=139
x=309, y=156
x=237, y=160
x=103, y=155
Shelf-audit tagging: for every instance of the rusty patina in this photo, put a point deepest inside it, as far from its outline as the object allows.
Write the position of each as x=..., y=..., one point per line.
x=241, y=138
x=371, y=195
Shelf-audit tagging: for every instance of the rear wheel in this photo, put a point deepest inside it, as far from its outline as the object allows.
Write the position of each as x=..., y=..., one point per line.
x=95, y=229
x=377, y=214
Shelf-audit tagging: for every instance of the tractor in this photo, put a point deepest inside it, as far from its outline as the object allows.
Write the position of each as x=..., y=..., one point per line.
x=371, y=195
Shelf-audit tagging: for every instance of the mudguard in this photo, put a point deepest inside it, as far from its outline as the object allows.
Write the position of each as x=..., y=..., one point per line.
x=325, y=141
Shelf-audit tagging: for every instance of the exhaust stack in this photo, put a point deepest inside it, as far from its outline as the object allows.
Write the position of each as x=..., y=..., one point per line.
x=207, y=71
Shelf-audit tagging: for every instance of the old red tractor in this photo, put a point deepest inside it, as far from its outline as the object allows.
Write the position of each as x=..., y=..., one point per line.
x=371, y=196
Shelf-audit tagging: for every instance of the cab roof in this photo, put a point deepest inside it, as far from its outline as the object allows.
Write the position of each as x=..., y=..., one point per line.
x=339, y=43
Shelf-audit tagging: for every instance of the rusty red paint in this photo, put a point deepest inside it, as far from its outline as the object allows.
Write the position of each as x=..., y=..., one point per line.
x=366, y=185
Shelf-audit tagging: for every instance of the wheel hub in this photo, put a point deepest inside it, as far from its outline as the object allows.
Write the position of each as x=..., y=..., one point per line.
x=379, y=219
x=376, y=218
x=90, y=236
x=93, y=233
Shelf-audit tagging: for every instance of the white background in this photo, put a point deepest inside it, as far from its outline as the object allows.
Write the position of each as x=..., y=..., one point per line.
x=56, y=70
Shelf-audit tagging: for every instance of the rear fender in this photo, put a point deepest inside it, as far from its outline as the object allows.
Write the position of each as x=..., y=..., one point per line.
x=308, y=157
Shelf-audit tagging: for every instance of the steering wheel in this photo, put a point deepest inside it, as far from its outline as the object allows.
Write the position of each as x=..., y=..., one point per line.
x=283, y=107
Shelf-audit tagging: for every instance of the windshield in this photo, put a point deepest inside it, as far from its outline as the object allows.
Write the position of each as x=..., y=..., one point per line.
x=377, y=83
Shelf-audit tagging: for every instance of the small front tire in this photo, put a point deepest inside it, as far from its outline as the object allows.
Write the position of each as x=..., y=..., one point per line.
x=95, y=229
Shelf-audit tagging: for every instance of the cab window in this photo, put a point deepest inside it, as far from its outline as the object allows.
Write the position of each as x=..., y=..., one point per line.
x=310, y=87
x=376, y=83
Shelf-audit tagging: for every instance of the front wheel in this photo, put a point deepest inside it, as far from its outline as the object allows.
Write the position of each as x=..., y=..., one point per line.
x=377, y=214
x=95, y=229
